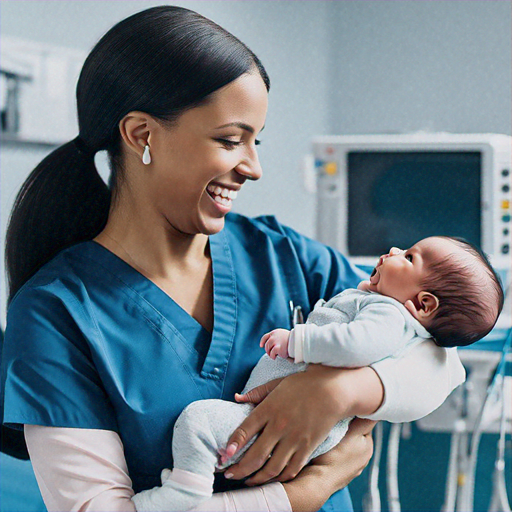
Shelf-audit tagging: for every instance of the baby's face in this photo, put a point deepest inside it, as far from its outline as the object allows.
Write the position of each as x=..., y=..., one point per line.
x=399, y=273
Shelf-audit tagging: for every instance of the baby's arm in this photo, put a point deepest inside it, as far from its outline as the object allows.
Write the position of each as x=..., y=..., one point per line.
x=375, y=333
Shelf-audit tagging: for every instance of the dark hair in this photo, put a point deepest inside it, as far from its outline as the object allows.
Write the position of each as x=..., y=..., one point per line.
x=470, y=296
x=162, y=61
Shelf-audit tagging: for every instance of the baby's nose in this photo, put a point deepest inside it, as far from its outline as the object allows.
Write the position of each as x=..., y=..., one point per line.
x=394, y=251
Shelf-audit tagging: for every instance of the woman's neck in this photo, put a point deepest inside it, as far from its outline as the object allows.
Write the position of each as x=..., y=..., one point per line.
x=150, y=245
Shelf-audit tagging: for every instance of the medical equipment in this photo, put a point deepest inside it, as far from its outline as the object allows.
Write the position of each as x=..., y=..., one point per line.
x=498, y=398
x=296, y=314
x=371, y=501
x=466, y=423
x=379, y=191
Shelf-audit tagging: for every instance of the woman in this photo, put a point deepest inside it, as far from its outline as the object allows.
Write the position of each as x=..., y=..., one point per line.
x=128, y=303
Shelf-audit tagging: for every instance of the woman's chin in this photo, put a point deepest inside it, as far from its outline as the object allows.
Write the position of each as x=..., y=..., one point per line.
x=212, y=226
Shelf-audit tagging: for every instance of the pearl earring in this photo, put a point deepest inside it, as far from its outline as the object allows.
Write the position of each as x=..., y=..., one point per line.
x=146, y=156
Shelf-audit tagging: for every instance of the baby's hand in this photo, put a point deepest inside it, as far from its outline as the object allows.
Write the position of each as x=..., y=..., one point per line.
x=364, y=286
x=276, y=343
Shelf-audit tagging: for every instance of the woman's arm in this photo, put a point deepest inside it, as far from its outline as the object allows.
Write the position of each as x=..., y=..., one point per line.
x=291, y=428
x=85, y=469
x=415, y=385
x=333, y=470
x=80, y=469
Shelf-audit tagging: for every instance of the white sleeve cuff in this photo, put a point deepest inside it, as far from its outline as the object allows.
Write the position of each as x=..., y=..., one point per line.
x=418, y=382
x=296, y=343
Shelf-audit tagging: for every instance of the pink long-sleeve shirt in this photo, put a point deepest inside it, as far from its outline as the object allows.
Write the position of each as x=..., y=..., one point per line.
x=85, y=470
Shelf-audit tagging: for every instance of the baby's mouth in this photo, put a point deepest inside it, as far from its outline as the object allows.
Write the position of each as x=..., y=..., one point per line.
x=375, y=277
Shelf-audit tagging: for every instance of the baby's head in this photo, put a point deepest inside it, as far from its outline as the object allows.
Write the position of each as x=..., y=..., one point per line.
x=447, y=284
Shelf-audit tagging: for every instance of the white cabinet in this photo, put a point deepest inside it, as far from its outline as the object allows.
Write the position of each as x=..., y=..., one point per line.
x=38, y=84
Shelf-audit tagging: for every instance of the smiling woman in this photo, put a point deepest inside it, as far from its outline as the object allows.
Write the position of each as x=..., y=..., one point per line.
x=119, y=296
x=130, y=302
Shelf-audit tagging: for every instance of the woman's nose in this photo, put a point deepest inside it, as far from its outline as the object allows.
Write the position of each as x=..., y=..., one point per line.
x=250, y=166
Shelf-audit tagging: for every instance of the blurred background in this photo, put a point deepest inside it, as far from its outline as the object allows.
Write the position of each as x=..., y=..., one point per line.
x=336, y=67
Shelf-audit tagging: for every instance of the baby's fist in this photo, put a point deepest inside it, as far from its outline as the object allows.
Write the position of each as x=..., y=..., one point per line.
x=364, y=286
x=276, y=343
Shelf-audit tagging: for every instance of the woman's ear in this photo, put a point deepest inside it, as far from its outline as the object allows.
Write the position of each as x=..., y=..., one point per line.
x=135, y=129
x=424, y=305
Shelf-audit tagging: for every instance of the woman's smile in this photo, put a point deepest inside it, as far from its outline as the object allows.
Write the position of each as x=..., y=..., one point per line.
x=222, y=196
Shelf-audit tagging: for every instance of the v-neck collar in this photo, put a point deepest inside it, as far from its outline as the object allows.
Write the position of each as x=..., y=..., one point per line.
x=225, y=302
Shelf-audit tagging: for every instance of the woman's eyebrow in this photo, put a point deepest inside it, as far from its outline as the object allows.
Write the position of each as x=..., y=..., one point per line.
x=239, y=124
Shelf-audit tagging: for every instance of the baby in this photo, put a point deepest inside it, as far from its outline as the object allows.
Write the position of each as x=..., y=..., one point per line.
x=441, y=288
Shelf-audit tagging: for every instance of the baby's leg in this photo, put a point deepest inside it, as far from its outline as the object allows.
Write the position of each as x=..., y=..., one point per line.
x=201, y=430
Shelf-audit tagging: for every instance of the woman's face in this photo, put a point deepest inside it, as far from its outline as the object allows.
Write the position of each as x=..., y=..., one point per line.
x=200, y=164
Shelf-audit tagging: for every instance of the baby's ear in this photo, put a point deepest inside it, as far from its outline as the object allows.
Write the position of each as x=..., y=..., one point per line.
x=428, y=305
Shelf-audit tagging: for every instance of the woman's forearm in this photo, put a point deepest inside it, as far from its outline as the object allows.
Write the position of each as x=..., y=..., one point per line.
x=310, y=489
x=354, y=392
x=333, y=470
x=418, y=383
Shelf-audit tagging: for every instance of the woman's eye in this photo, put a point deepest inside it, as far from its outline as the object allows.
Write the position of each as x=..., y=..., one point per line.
x=408, y=257
x=229, y=144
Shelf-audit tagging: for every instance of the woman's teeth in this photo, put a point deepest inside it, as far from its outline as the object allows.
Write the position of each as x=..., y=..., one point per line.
x=222, y=195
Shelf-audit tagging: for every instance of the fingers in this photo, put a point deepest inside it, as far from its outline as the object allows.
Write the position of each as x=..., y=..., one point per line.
x=360, y=426
x=255, y=458
x=251, y=426
x=274, y=351
x=284, y=465
x=294, y=467
x=264, y=339
x=254, y=396
x=274, y=466
x=258, y=394
x=270, y=342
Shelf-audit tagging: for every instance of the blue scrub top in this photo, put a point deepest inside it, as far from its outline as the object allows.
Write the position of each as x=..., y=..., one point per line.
x=92, y=343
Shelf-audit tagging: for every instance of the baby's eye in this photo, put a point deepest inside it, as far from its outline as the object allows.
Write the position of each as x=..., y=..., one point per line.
x=408, y=257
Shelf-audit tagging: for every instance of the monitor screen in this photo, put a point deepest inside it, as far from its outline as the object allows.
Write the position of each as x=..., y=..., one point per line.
x=395, y=198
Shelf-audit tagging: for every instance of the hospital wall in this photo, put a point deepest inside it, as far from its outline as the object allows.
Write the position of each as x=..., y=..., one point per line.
x=336, y=67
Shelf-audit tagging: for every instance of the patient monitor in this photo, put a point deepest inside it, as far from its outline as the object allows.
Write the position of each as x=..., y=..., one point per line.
x=379, y=191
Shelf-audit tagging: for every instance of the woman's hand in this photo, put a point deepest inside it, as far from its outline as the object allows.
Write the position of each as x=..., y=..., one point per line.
x=297, y=416
x=333, y=470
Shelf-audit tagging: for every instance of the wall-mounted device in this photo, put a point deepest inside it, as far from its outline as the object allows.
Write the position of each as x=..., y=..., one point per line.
x=379, y=191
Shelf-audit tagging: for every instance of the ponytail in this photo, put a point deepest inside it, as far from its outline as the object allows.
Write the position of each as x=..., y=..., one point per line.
x=64, y=201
